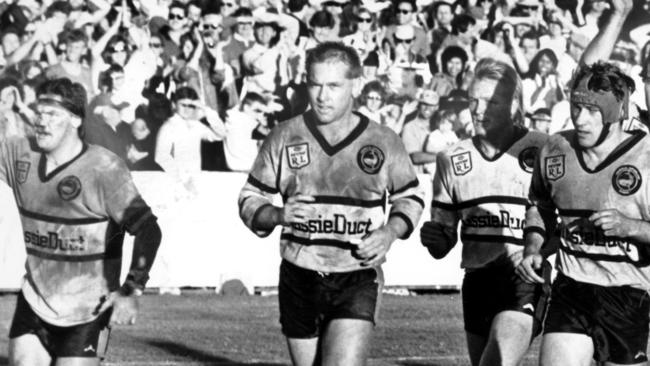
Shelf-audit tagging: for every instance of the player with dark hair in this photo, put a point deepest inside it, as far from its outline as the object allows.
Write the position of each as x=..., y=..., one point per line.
x=334, y=169
x=593, y=178
x=75, y=201
x=483, y=183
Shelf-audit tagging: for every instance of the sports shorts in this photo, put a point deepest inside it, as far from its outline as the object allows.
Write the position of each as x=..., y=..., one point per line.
x=83, y=340
x=491, y=290
x=309, y=299
x=616, y=318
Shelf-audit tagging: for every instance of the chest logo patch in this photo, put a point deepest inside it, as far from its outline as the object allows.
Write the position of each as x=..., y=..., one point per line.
x=626, y=180
x=461, y=163
x=298, y=155
x=527, y=158
x=554, y=166
x=69, y=188
x=370, y=159
x=22, y=171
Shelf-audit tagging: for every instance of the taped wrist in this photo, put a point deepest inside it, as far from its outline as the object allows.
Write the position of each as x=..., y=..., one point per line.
x=145, y=247
x=437, y=238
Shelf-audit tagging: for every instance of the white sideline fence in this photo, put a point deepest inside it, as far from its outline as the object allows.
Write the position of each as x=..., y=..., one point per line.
x=205, y=243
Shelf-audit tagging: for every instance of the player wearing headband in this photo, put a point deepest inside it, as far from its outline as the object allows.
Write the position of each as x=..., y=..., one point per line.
x=595, y=179
x=75, y=201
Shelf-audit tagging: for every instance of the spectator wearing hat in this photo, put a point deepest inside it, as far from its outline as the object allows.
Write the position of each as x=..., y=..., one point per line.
x=264, y=63
x=405, y=15
x=243, y=38
x=454, y=73
x=541, y=120
x=415, y=132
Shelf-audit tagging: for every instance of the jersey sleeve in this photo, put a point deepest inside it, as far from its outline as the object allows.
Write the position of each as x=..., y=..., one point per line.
x=262, y=182
x=443, y=210
x=4, y=162
x=406, y=195
x=121, y=198
x=541, y=216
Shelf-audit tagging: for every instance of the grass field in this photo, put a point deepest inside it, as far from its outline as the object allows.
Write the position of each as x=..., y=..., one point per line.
x=201, y=328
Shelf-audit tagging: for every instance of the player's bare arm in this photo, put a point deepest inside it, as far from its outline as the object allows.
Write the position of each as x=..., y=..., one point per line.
x=615, y=223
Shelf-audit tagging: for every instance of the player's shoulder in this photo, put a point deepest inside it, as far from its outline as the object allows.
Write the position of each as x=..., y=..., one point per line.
x=465, y=146
x=103, y=160
x=535, y=138
x=559, y=142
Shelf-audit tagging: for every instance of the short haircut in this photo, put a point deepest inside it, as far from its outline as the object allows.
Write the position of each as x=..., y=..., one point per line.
x=185, y=92
x=59, y=6
x=411, y=2
x=531, y=34
x=461, y=23
x=242, y=12
x=76, y=35
x=179, y=5
x=73, y=95
x=605, y=77
x=335, y=51
x=252, y=97
x=296, y=5
x=322, y=19
x=504, y=74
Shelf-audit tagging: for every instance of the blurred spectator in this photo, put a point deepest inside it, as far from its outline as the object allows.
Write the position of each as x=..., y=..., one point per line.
x=371, y=101
x=454, y=73
x=141, y=145
x=246, y=127
x=242, y=39
x=415, y=132
x=323, y=29
x=405, y=15
x=15, y=116
x=72, y=66
x=541, y=120
x=541, y=87
x=442, y=137
x=442, y=16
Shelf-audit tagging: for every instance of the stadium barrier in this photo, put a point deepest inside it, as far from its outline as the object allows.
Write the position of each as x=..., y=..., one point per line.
x=205, y=243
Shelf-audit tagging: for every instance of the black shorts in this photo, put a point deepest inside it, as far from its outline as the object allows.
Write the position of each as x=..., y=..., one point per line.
x=83, y=340
x=489, y=291
x=309, y=299
x=616, y=318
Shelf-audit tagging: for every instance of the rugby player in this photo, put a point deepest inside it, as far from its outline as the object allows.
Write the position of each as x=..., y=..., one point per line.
x=482, y=183
x=595, y=179
x=75, y=201
x=334, y=169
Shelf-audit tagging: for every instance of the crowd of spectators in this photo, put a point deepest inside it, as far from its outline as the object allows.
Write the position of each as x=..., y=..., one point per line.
x=191, y=85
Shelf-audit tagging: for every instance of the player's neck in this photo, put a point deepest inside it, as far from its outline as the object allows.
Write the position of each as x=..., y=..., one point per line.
x=593, y=156
x=67, y=151
x=494, y=144
x=335, y=131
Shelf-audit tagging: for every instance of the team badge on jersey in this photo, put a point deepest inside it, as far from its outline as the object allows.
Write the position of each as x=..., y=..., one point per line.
x=462, y=163
x=298, y=155
x=69, y=188
x=527, y=158
x=370, y=159
x=626, y=180
x=22, y=171
x=555, y=167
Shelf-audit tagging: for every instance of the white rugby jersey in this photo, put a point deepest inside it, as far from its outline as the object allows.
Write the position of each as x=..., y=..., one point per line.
x=488, y=196
x=350, y=182
x=562, y=181
x=73, y=221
